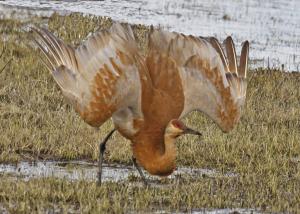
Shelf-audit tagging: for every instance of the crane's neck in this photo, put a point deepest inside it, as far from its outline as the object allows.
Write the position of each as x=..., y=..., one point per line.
x=158, y=157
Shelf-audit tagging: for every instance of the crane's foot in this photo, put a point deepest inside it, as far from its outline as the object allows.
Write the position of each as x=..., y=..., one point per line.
x=102, y=147
x=140, y=172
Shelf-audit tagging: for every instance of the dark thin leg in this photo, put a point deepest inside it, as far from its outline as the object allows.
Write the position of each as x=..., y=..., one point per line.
x=140, y=171
x=102, y=147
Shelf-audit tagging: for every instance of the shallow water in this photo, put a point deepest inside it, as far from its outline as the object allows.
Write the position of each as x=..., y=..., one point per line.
x=81, y=170
x=271, y=26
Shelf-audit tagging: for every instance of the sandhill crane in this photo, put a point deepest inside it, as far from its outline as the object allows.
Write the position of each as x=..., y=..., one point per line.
x=146, y=96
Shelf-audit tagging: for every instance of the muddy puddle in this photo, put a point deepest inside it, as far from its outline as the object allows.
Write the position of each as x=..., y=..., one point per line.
x=81, y=170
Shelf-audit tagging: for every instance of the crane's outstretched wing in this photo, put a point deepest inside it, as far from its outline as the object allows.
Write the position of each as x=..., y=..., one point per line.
x=211, y=80
x=102, y=76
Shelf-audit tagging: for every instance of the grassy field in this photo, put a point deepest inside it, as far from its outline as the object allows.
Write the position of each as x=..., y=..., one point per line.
x=36, y=123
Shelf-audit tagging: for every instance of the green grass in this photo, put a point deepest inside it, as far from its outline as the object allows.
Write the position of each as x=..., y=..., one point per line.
x=36, y=123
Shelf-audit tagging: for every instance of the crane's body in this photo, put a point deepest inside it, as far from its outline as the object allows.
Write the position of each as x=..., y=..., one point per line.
x=153, y=150
x=146, y=96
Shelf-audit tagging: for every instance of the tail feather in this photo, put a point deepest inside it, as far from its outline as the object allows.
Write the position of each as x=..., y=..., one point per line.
x=231, y=54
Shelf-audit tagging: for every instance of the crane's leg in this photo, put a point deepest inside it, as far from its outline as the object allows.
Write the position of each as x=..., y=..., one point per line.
x=140, y=171
x=102, y=147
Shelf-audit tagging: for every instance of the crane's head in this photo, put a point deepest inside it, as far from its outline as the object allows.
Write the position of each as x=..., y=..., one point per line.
x=176, y=128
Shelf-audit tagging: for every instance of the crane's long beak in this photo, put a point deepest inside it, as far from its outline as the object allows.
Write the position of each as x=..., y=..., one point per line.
x=191, y=131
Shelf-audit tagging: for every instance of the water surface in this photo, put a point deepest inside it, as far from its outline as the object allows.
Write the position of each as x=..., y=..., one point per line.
x=81, y=170
x=271, y=26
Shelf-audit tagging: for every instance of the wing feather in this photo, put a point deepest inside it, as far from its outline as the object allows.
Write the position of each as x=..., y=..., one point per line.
x=207, y=84
x=231, y=54
x=215, y=43
x=101, y=77
x=244, y=60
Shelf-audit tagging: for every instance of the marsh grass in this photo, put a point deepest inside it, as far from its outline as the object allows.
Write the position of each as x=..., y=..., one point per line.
x=36, y=123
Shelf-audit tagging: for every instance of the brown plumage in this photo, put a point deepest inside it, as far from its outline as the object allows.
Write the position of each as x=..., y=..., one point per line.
x=146, y=96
